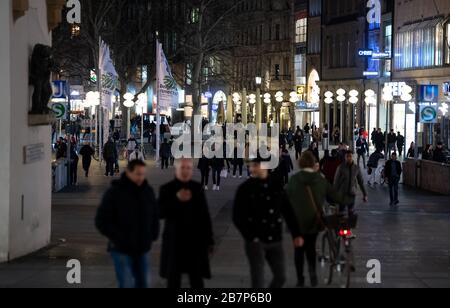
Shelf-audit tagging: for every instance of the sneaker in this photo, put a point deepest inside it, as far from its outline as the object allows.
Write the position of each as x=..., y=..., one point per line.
x=214, y=187
x=234, y=176
x=218, y=188
x=206, y=188
x=240, y=177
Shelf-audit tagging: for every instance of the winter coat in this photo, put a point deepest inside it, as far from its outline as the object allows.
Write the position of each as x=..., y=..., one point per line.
x=87, y=152
x=165, y=151
x=188, y=233
x=203, y=164
x=305, y=213
x=329, y=168
x=361, y=146
x=439, y=156
x=259, y=208
x=347, y=180
x=128, y=217
x=388, y=168
x=110, y=151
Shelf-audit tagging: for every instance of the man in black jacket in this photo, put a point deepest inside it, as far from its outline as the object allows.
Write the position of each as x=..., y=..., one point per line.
x=259, y=208
x=128, y=217
x=393, y=172
x=188, y=238
x=110, y=156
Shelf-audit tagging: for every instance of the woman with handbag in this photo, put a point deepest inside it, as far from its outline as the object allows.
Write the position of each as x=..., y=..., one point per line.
x=307, y=192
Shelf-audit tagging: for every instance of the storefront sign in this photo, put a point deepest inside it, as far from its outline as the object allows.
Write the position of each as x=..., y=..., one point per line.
x=370, y=74
x=428, y=114
x=396, y=88
x=306, y=106
x=59, y=89
x=59, y=110
x=428, y=94
x=33, y=153
x=74, y=12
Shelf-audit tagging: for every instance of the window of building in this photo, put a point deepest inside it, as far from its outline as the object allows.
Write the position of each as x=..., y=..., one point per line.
x=277, y=32
x=388, y=38
x=277, y=72
x=194, y=15
x=301, y=30
x=315, y=7
x=300, y=70
x=419, y=46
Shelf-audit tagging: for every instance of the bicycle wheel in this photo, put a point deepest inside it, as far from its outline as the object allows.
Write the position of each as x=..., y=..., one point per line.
x=327, y=258
x=345, y=267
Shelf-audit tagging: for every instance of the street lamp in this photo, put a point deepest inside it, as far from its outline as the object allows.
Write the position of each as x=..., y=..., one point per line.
x=142, y=102
x=258, y=81
x=128, y=103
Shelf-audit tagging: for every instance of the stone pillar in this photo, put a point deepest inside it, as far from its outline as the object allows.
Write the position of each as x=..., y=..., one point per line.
x=25, y=203
x=5, y=126
x=244, y=107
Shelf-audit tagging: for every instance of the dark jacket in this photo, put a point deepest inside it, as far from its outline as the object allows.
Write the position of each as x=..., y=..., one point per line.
x=439, y=156
x=165, y=151
x=204, y=164
x=110, y=151
x=374, y=159
x=305, y=213
x=347, y=180
x=87, y=152
x=286, y=164
x=329, y=168
x=361, y=146
x=259, y=208
x=128, y=217
x=388, y=168
x=298, y=142
x=217, y=163
x=188, y=233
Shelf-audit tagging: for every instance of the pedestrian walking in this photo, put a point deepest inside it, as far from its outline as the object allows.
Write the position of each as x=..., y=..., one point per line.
x=393, y=173
x=400, y=144
x=411, y=151
x=86, y=152
x=238, y=163
x=217, y=165
x=110, y=156
x=374, y=166
x=337, y=135
x=136, y=154
x=259, y=207
x=128, y=218
x=188, y=238
x=348, y=177
x=74, y=159
x=204, y=165
x=325, y=138
x=392, y=141
x=307, y=192
x=285, y=166
x=314, y=149
x=298, y=143
x=131, y=145
x=61, y=148
x=329, y=165
x=165, y=152
x=362, y=148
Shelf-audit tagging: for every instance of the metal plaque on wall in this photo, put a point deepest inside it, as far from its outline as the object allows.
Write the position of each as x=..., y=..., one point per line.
x=33, y=153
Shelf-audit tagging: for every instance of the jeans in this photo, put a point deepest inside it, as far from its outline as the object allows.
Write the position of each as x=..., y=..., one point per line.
x=73, y=173
x=131, y=272
x=257, y=254
x=164, y=163
x=393, y=189
x=110, y=167
x=235, y=167
x=308, y=249
x=391, y=148
x=363, y=156
x=205, y=177
x=298, y=153
x=216, y=176
x=349, y=206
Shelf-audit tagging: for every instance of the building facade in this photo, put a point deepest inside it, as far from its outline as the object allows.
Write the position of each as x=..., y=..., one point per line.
x=264, y=48
x=422, y=57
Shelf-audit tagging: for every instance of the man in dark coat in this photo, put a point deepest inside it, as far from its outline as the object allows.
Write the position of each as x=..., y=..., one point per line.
x=87, y=152
x=110, y=156
x=439, y=155
x=165, y=153
x=258, y=212
x=393, y=172
x=128, y=217
x=188, y=236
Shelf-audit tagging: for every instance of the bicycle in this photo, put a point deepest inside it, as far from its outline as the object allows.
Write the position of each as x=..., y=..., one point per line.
x=337, y=250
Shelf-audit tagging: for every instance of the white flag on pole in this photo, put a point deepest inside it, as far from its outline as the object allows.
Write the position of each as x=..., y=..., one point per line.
x=167, y=85
x=108, y=75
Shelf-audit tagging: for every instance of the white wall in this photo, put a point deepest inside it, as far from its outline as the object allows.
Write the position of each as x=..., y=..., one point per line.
x=5, y=120
x=31, y=182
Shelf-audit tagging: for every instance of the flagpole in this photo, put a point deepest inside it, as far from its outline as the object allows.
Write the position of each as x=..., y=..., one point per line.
x=158, y=111
x=100, y=115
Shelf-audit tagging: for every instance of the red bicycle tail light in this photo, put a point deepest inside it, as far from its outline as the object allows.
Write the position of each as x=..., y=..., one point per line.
x=345, y=233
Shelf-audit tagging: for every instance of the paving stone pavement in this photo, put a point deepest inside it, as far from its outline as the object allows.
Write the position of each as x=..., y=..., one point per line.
x=411, y=243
